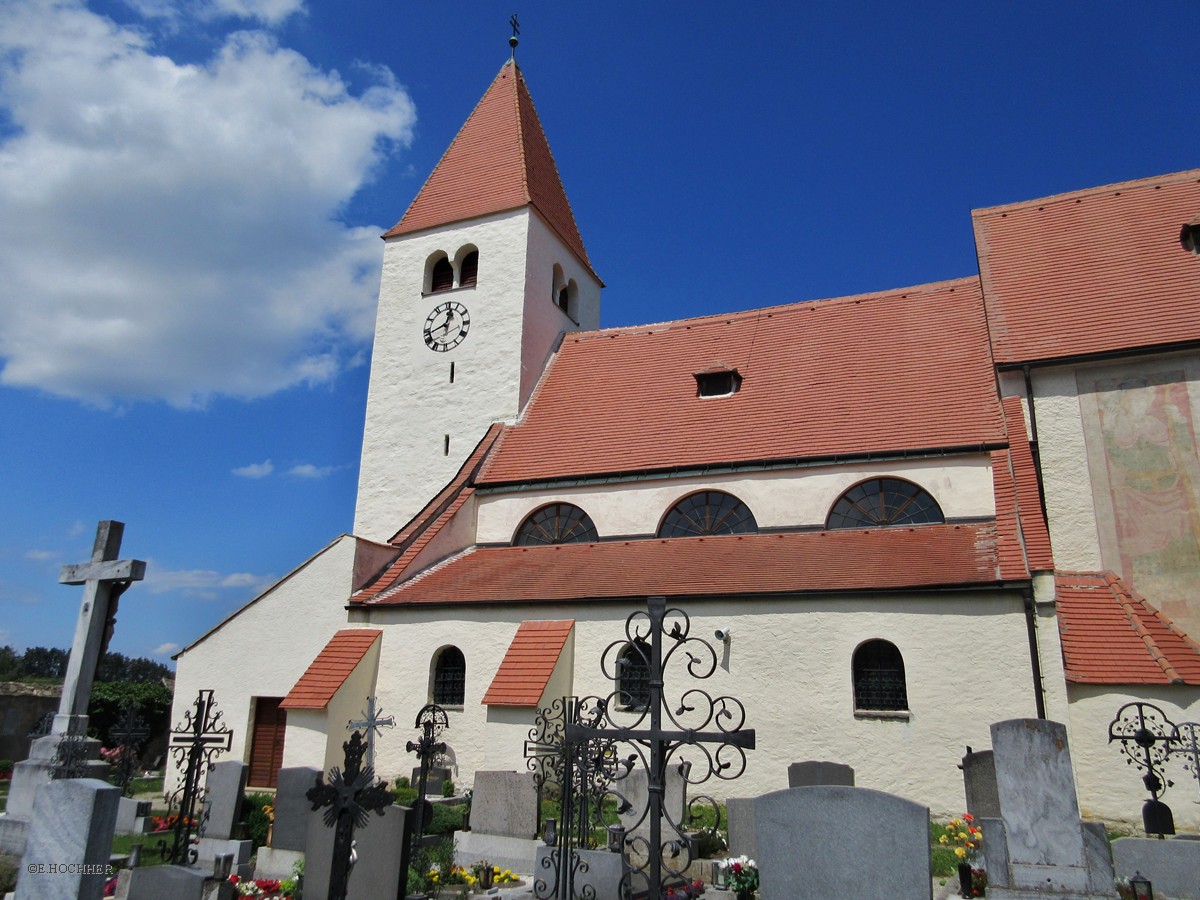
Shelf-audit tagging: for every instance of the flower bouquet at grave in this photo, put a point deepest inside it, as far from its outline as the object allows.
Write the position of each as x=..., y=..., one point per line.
x=967, y=839
x=685, y=891
x=741, y=875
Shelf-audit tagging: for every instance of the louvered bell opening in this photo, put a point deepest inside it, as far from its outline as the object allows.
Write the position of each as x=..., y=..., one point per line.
x=470, y=269
x=443, y=276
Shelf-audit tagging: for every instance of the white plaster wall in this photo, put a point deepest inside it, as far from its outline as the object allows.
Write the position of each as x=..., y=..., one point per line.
x=544, y=321
x=1109, y=789
x=347, y=704
x=411, y=403
x=778, y=498
x=264, y=648
x=966, y=658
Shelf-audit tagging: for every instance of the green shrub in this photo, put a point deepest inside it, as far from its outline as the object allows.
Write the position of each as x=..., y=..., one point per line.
x=257, y=819
x=447, y=788
x=446, y=820
x=405, y=796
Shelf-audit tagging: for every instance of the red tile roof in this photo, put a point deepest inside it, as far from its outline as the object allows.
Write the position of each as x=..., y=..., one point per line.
x=905, y=370
x=872, y=559
x=1091, y=271
x=527, y=666
x=1035, y=535
x=330, y=669
x=1110, y=635
x=500, y=160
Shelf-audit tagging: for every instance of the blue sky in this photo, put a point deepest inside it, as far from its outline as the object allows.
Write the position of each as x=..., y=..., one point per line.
x=191, y=196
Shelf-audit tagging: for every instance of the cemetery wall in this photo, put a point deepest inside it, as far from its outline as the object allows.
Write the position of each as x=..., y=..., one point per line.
x=1110, y=790
x=779, y=499
x=1129, y=431
x=789, y=661
x=277, y=635
x=22, y=707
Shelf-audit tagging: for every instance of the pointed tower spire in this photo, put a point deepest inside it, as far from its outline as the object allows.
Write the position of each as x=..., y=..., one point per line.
x=500, y=160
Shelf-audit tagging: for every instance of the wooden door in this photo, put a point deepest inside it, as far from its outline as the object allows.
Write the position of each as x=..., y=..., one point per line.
x=266, y=745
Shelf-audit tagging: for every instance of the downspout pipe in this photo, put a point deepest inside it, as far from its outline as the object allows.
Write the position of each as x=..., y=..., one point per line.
x=1034, y=448
x=1035, y=659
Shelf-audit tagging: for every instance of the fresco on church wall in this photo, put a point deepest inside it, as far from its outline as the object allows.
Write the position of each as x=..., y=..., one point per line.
x=1146, y=472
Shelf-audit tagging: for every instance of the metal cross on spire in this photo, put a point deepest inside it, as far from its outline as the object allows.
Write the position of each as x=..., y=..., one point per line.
x=512, y=41
x=373, y=722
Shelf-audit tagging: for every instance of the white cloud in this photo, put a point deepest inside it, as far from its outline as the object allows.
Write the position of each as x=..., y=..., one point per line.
x=255, y=470
x=308, y=470
x=170, y=229
x=41, y=555
x=203, y=583
x=271, y=12
x=164, y=649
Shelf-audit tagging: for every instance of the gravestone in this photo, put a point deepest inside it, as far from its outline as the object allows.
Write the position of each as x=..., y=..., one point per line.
x=739, y=817
x=69, y=841
x=292, y=808
x=813, y=773
x=133, y=816
x=225, y=790
x=597, y=878
x=1173, y=866
x=836, y=841
x=979, y=783
x=382, y=850
x=1038, y=846
x=104, y=579
x=634, y=788
x=161, y=882
x=505, y=803
x=435, y=782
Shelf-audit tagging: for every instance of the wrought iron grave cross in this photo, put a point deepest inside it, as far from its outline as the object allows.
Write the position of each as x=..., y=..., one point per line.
x=373, y=723
x=1146, y=735
x=193, y=745
x=711, y=724
x=104, y=579
x=1189, y=749
x=349, y=797
x=127, y=736
x=432, y=720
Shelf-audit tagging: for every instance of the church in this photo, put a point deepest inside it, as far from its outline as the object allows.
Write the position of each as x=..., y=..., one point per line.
x=897, y=517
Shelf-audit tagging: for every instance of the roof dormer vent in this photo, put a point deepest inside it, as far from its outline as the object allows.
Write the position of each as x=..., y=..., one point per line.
x=717, y=381
x=1189, y=236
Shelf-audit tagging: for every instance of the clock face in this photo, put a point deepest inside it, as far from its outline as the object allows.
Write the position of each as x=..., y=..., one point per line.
x=447, y=326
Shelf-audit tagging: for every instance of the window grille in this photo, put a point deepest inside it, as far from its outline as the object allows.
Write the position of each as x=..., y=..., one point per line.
x=879, y=502
x=558, y=523
x=450, y=678
x=879, y=677
x=633, y=677
x=708, y=512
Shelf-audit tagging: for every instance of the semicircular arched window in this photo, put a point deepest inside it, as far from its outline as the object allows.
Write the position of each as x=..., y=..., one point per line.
x=879, y=677
x=557, y=523
x=708, y=512
x=633, y=676
x=442, y=278
x=879, y=502
x=449, y=677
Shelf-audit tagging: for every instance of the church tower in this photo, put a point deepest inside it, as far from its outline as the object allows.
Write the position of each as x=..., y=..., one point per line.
x=481, y=277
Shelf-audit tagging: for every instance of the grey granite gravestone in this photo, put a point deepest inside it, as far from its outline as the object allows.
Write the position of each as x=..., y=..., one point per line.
x=808, y=846
x=505, y=803
x=1038, y=846
x=69, y=841
x=133, y=816
x=597, y=878
x=634, y=787
x=812, y=773
x=292, y=808
x=435, y=782
x=979, y=783
x=225, y=788
x=162, y=882
x=1172, y=866
x=739, y=817
x=382, y=850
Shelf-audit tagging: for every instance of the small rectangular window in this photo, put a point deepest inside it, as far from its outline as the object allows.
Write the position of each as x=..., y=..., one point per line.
x=717, y=383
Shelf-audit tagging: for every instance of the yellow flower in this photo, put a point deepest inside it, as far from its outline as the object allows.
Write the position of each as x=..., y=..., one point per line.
x=960, y=852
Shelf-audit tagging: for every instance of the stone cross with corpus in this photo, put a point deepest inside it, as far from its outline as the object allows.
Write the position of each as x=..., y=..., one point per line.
x=104, y=579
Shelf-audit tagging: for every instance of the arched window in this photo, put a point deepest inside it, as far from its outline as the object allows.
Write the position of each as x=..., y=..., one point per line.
x=449, y=677
x=558, y=523
x=879, y=677
x=633, y=676
x=708, y=512
x=564, y=299
x=443, y=276
x=469, y=271
x=879, y=502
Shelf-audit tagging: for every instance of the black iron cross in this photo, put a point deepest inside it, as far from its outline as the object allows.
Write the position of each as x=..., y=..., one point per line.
x=1189, y=749
x=373, y=723
x=1146, y=742
x=512, y=41
x=193, y=745
x=726, y=713
x=349, y=798
x=432, y=720
x=127, y=736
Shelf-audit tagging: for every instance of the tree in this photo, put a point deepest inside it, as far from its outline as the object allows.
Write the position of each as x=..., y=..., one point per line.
x=44, y=662
x=10, y=664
